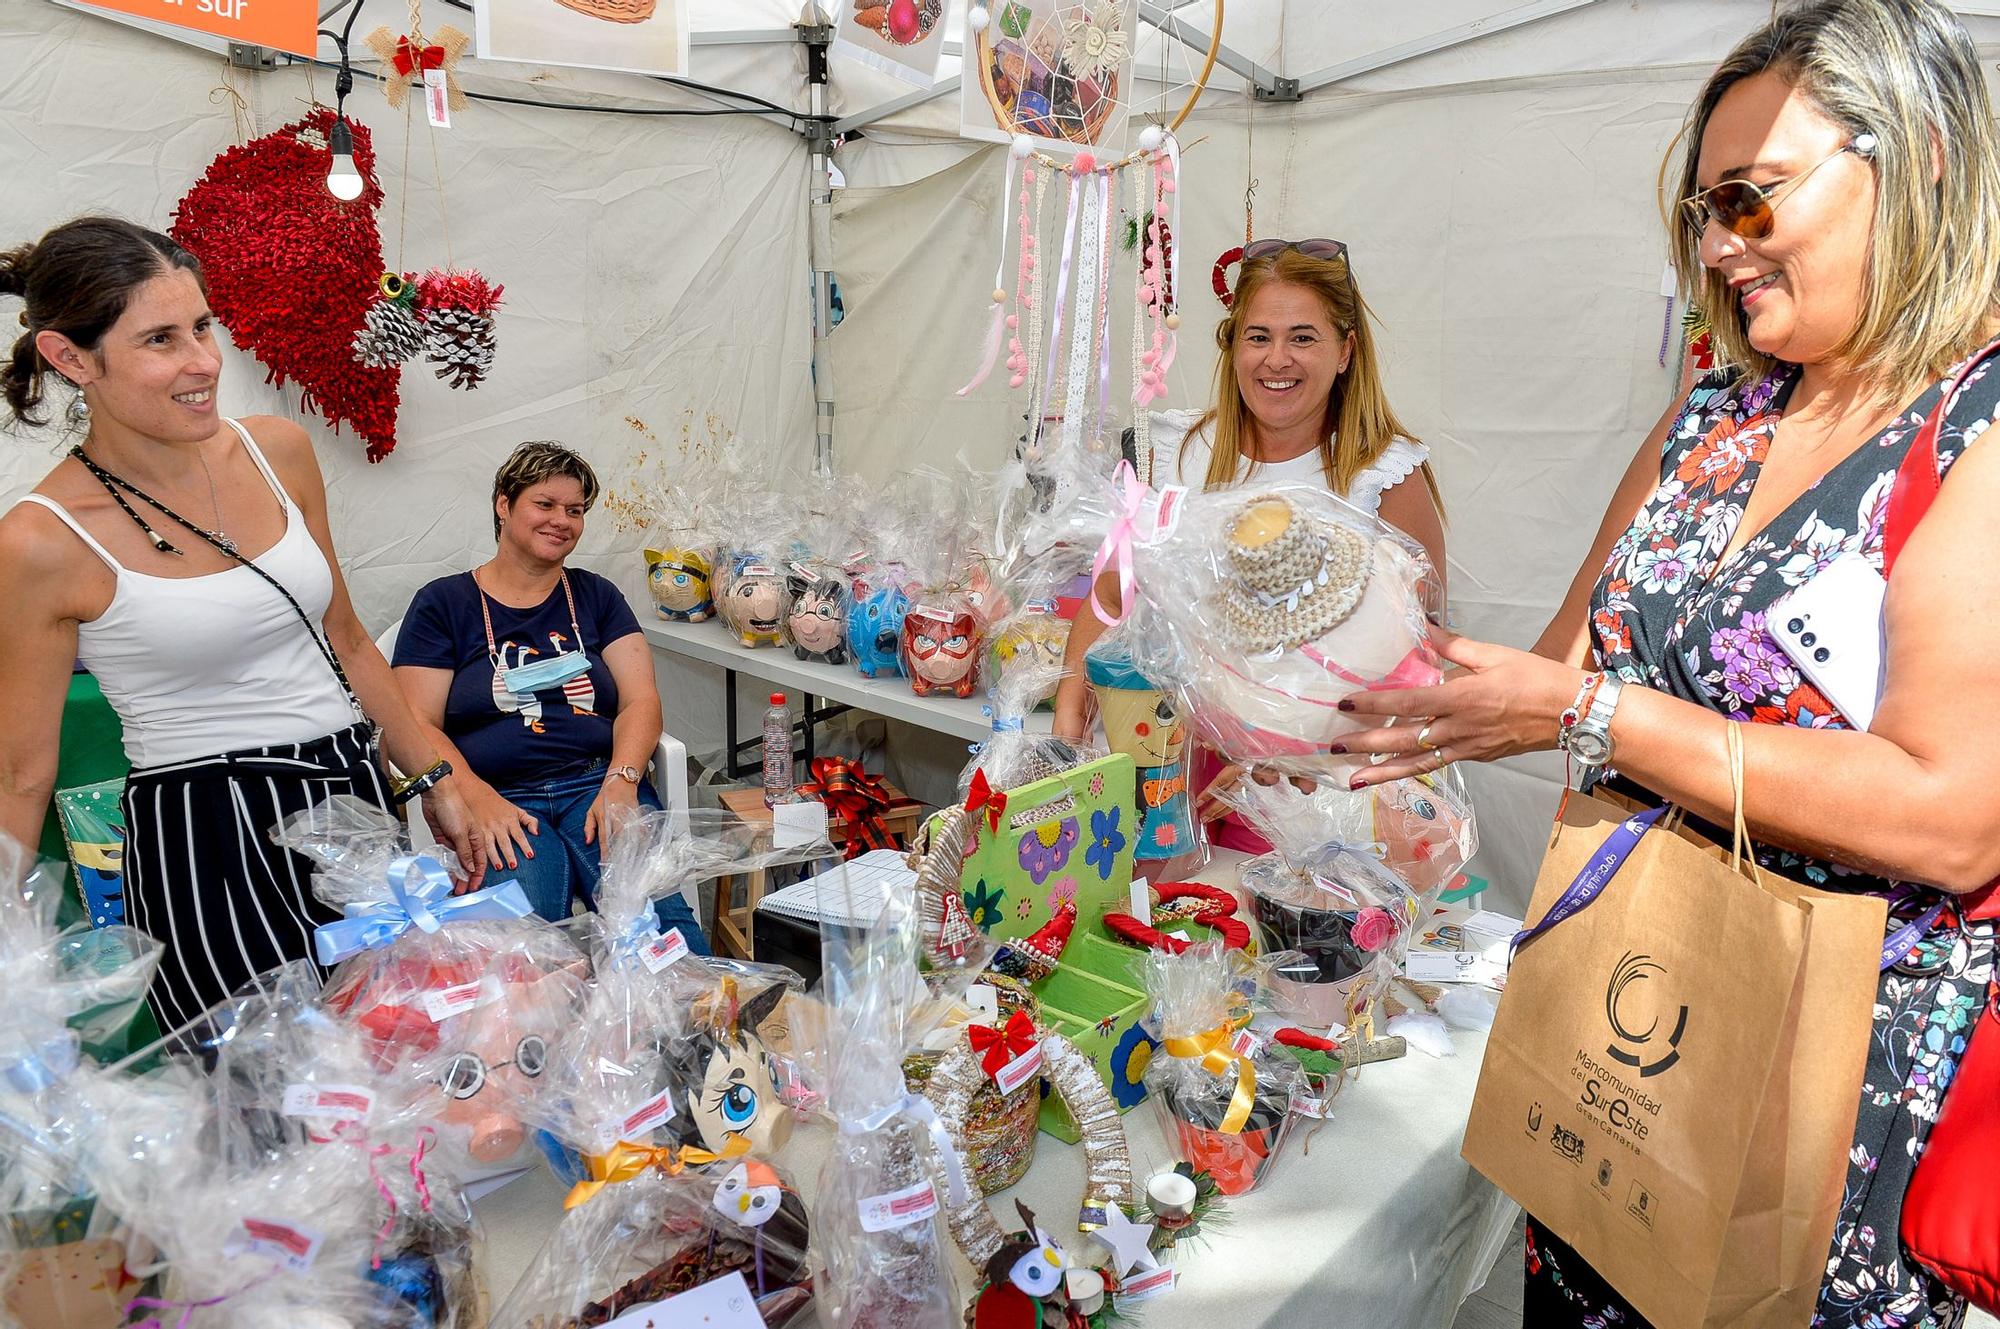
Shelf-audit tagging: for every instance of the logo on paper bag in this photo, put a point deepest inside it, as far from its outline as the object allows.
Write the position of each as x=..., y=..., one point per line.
x=1636, y=1037
x=1535, y=1119
x=1567, y=1143
x=1640, y=1205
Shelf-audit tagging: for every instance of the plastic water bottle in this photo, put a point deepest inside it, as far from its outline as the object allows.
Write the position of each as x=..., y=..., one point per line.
x=777, y=752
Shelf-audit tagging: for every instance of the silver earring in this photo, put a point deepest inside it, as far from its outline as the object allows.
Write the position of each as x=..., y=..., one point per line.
x=77, y=416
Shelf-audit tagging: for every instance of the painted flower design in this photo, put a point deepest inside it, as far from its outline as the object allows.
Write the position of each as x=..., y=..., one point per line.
x=1062, y=893
x=1097, y=784
x=1094, y=41
x=982, y=904
x=1129, y=1060
x=1024, y=908
x=1046, y=848
x=1107, y=841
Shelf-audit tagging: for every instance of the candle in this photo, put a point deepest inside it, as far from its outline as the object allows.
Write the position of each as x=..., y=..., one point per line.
x=1086, y=1291
x=1171, y=1198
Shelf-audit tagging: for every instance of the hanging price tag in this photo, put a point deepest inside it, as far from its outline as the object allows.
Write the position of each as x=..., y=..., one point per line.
x=912, y=1204
x=663, y=950
x=293, y=1247
x=1018, y=1071
x=642, y=1121
x=1246, y=1043
x=1153, y=1283
x=436, y=99
x=1307, y=1105
x=334, y=1102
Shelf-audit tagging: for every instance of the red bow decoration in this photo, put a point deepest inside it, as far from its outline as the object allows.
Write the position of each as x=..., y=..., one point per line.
x=854, y=796
x=984, y=795
x=409, y=59
x=1002, y=1045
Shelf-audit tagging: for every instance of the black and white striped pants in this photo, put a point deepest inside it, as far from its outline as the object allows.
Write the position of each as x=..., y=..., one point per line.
x=201, y=873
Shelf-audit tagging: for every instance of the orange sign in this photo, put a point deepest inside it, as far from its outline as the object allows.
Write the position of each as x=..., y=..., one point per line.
x=285, y=25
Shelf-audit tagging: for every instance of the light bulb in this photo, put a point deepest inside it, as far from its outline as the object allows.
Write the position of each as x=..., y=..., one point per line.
x=343, y=179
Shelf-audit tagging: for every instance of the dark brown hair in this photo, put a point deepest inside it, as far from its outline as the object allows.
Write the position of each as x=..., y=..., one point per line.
x=77, y=280
x=532, y=463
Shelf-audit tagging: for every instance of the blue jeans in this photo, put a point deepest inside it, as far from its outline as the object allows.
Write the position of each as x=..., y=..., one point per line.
x=564, y=868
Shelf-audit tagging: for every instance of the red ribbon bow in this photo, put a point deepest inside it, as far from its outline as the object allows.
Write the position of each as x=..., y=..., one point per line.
x=854, y=796
x=1004, y=1044
x=410, y=58
x=984, y=795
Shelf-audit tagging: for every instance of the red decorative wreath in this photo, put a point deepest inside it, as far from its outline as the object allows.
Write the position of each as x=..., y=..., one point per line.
x=1183, y=902
x=291, y=269
x=1220, y=277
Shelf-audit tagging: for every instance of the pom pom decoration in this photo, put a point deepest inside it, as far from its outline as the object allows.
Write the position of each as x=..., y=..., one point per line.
x=1022, y=146
x=978, y=17
x=1150, y=138
x=292, y=271
x=457, y=309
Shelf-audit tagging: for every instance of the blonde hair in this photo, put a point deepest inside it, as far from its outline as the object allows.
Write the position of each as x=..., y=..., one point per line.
x=1359, y=423
x=1906, y=72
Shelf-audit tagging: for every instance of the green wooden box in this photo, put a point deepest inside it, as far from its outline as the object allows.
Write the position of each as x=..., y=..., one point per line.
x=1088, y=1000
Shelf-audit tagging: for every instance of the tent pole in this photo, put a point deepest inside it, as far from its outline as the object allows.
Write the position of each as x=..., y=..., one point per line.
x=819, y=131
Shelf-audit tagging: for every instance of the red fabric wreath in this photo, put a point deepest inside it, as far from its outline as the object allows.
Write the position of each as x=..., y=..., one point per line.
x=291, y=269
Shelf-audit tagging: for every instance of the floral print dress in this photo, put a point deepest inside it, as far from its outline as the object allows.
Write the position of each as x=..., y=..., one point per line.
x=1671, y=613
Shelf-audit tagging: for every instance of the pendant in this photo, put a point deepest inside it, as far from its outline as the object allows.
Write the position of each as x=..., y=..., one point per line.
x=224, y=543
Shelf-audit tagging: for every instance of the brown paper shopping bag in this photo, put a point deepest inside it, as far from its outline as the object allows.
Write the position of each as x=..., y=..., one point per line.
x=1672, y=1078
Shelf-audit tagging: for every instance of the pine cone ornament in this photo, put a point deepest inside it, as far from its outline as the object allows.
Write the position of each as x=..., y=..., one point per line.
x=390, y=335
x=457, y=310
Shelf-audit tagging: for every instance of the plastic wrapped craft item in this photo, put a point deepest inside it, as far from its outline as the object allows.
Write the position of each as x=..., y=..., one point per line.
x=1010, y=756
x=816, y=579
x=671, y=496
x=1326, y=891
x=943, y=633
x=285, y=1077
x=750, y=586
x=459, y=997
x=1145, y=722
x=1268, y=610
x=1225, y=1102
x=657, y=1019
x=653, y=1224
x=1003, y=1117
x=878, y=1213
x=62, y=1249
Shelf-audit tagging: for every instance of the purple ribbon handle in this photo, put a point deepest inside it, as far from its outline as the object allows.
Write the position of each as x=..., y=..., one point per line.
x=1618, y=847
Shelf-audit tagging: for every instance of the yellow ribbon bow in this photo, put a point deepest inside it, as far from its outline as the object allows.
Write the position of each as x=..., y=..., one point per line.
x=625, y=1160
x=1216, y=1056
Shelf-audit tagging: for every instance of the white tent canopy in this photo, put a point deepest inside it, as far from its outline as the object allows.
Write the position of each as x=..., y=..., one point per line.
x=1491, y=163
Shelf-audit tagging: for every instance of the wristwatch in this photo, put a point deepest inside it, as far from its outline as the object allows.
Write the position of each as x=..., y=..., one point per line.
x=629, y=774
x=1585, y=733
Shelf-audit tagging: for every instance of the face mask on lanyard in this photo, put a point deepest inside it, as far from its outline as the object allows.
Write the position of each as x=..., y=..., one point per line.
x=534, y=676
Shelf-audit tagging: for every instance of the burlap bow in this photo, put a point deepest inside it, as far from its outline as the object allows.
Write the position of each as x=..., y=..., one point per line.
x=407, y=55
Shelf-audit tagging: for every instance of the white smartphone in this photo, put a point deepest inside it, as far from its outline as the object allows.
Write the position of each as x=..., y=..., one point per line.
x=1831, y=628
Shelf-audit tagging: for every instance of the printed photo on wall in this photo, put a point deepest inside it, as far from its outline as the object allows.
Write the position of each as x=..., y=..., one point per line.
x=634, y=36
x=900, y=37
x=1059, y=70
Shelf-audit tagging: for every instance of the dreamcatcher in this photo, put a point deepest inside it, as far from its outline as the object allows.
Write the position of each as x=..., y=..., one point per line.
x=1056, y=81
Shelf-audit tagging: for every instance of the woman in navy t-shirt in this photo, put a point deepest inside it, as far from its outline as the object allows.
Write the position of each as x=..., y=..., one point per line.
x=541, y=688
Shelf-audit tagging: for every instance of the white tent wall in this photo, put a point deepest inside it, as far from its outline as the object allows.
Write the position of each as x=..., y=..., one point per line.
x=1506, y=232
x=654, y=267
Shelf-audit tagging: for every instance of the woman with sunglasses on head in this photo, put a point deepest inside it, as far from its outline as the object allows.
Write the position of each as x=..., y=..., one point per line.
x=534, y=678
x=184, y=559
x=1298, y=400
x=1841, y=230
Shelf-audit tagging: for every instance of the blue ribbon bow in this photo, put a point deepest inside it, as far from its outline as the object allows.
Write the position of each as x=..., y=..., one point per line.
x=420, y=897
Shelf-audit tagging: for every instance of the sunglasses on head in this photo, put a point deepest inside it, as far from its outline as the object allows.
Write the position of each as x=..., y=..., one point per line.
x=1327, y=249
x=1750, y=210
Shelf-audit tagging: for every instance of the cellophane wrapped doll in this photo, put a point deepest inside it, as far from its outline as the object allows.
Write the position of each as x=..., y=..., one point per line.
x=459, y=997
x=880, y=576
x=66, y=1253
x=751, y=590
x=818, y=591
x=943, y=630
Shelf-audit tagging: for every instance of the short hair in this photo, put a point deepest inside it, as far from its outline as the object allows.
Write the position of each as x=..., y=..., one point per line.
x=1906, y=72
x=531, y=464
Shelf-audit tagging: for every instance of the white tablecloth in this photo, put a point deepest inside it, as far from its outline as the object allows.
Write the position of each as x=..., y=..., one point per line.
x=1374, y=1221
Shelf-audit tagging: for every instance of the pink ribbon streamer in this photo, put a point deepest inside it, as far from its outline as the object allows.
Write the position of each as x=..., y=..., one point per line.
x=186, y=1308
x=1116, y=550
x=997, y=325
x=1062, y=297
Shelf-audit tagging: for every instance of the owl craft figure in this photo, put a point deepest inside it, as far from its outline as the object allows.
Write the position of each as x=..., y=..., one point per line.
x=875, y=629
x=940, y=650
x=753, y=604
x=817, y=618
x=679, y=582
x=727, y=1084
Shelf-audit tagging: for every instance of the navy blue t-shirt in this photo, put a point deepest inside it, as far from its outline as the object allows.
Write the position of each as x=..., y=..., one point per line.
x=512, y=740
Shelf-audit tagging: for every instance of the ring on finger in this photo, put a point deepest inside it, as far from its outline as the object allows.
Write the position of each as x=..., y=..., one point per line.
x=1439, y=760
x=1424, y=738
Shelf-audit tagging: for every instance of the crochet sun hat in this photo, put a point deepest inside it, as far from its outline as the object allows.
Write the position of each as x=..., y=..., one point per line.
x=1290, y=579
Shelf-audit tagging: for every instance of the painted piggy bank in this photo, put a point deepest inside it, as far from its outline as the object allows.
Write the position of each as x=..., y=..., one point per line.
x=679, y=581
x=817, y=619
x=941, y=649
x=875, y=629
x=489, y=1079
x=753, y=603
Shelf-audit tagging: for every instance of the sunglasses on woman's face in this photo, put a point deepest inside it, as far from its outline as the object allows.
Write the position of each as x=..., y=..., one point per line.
x=1750, y=210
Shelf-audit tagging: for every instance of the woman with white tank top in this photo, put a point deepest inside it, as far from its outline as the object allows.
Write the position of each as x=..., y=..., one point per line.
x=1298, y=400
x=185, y=560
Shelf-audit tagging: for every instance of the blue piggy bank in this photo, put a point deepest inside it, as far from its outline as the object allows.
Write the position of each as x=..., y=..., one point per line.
x=875, y=630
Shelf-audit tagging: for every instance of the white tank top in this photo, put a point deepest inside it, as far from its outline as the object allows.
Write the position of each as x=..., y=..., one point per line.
x=197, y=666
x=1182, y=456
